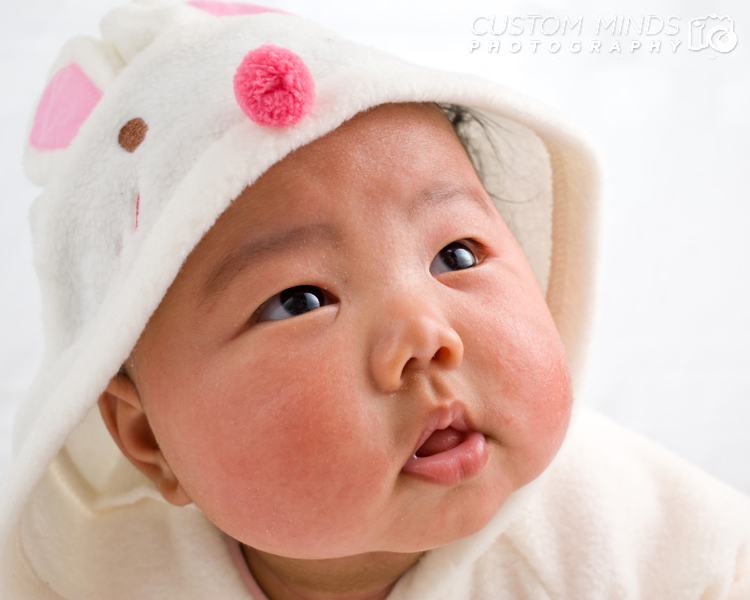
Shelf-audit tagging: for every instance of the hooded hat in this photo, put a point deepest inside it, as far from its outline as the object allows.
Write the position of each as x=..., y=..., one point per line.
x=141, y=140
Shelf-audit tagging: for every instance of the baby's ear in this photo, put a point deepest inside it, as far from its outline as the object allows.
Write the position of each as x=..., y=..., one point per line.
x=122, y=411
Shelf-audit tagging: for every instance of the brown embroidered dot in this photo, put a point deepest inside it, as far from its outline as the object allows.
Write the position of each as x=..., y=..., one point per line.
x=132, y=134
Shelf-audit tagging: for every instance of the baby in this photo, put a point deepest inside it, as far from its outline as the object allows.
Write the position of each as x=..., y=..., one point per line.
x=327, y=303
x=322, y=377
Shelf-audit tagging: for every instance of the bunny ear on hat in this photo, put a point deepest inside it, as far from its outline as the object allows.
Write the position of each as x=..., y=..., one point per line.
x=84, y=69
x=132, y=27
x=77, y=80
x=87, y=66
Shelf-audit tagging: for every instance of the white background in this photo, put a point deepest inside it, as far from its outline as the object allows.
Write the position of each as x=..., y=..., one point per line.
x=670, y=354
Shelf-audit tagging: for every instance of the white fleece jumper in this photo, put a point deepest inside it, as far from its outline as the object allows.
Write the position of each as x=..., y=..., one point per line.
x=141, y=142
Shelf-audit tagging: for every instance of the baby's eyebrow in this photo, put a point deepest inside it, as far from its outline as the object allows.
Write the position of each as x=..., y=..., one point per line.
x=431, y=198
x=225, y=270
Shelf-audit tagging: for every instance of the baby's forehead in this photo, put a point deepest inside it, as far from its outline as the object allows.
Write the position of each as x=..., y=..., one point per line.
x=387, y=126
x=383, y=135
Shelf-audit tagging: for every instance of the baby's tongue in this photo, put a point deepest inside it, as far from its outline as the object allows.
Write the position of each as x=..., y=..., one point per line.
x=440, y=441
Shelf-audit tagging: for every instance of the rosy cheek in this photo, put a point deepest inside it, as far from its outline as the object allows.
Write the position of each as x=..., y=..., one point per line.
x=550, y=414
x=287, y=433
x=521, y=346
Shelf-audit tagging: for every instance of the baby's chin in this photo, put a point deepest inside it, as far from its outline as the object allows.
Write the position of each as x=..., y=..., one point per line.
x=449, y=525
x=442, y=518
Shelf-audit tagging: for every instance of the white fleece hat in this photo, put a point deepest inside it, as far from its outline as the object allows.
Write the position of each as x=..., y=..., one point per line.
x=141, y=140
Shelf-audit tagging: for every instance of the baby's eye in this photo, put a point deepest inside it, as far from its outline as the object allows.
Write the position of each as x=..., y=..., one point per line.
x=456, y=256
x=293, y=302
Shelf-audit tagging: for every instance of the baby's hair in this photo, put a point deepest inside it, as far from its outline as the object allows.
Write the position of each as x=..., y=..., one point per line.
x=469, y=126
x=465, y=122
x=462, y=118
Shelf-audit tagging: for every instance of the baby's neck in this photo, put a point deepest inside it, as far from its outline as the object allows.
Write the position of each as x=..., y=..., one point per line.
x=363, y=577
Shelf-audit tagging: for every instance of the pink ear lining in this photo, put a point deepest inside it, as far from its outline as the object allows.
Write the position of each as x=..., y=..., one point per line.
x=66, y=103
x=231, y=9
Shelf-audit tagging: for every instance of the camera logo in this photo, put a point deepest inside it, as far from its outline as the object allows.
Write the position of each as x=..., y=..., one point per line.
x=714, y=31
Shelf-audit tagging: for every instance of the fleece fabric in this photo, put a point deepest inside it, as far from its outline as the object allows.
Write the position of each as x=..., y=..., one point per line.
x=141, y=139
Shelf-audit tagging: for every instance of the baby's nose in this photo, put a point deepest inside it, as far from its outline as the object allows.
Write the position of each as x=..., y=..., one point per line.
x=412, y=336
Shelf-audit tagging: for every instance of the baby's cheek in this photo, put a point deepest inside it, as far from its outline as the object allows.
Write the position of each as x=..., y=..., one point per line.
x=549, y=411
x=300, y=448
x=528, y=389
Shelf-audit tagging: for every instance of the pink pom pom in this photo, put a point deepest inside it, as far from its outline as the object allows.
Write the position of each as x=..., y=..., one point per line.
x=274, y=87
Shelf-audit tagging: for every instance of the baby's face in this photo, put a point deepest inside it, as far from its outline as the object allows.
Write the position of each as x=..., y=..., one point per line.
x=362, y=303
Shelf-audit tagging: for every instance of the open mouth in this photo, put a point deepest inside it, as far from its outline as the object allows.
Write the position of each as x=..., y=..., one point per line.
x=450, y=454
x=440, y=440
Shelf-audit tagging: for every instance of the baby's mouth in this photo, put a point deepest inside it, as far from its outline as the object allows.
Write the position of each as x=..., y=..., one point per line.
x=450, y=452
x=440, y=440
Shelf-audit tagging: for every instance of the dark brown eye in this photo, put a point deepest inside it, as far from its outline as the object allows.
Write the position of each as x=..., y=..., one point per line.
x=454, y=257
x=293, y=302
x=132, y=134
